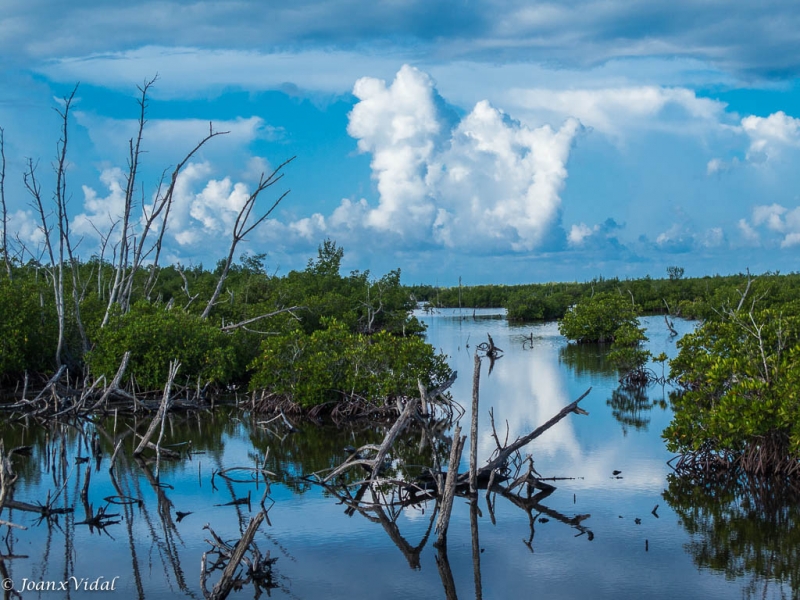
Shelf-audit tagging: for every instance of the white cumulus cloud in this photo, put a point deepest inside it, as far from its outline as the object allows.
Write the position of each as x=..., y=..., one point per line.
x=485, y=180
x=769, y=135
x=772, y=225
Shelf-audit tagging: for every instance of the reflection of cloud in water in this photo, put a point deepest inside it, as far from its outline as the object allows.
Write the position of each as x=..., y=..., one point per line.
x=528, y=386
x=527, y=389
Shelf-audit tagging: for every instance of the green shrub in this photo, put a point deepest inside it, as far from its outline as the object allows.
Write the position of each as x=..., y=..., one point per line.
x=597, y=319
x=333, y=363
x=155, y=336
x=740, y=376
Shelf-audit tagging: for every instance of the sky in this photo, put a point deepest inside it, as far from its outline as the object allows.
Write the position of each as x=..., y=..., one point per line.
x=501, y=141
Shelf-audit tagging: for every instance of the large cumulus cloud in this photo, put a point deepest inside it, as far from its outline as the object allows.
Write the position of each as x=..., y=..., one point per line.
x=484, y=181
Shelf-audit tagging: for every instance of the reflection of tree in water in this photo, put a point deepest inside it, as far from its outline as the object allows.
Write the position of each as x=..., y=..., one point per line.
x=631, y=406
x=587, y=359
x=315, y=448
x=749, y=529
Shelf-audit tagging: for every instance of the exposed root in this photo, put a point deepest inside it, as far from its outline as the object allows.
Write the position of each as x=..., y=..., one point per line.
x=765, y=457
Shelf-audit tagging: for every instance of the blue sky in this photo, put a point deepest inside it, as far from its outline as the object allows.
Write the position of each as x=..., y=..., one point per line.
x=503, y=141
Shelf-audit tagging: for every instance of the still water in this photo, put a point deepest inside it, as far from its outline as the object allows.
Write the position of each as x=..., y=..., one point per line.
x=695, y=544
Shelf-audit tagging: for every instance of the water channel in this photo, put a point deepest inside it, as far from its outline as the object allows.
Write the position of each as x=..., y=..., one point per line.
x=612, y=470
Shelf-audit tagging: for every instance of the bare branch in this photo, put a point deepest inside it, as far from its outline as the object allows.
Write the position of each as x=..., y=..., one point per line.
x=258, y=318
x=4, y=248
x=241, y=229
x=63, y=220
x=505, y=453
x=164, y=204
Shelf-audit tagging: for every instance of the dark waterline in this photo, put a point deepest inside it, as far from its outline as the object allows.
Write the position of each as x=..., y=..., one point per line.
x=323, y=552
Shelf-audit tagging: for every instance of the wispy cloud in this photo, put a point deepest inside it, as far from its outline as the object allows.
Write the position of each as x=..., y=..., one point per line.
x=746, y=38
x=619, y=110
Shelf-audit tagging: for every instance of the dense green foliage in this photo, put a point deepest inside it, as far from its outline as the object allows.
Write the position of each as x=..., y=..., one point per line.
x=259, y=316
x=740, y=377
x=610, y=318
x=601, y=318
x=334, y=363
x=154, y=337
x=27, y=335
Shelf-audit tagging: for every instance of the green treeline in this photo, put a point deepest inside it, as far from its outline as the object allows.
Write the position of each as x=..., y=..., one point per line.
x=311, y=336
x=695, y=297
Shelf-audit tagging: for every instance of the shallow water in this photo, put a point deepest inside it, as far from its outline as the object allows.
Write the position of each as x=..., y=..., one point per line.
x=323, y=552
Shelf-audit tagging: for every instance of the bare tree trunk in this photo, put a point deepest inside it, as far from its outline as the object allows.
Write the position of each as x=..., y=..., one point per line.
x=63, y=222
x=473, y=432
x=133, y=168
x=476, y=548
x=58, y=291
x=166, y=400
x=4, y=248
x=447, y=490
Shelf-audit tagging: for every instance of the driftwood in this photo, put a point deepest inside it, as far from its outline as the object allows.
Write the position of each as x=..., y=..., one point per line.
x=246, y=322
x=162, y=410
x=408, y=412
x=53, y=380
x=259, y=569
x=375, y=464
x=114, y=385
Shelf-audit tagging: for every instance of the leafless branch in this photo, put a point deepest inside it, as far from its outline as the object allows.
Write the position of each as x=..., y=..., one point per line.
x=258, y=318
x=4, y=248
x=241, y=228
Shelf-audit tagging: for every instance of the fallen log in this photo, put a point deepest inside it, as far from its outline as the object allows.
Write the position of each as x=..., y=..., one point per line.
x=374, y=464
x=162, y=410
x=234, y=556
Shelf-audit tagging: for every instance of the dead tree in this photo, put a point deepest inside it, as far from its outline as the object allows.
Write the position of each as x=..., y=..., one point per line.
x=500, y=461
x=259, y=569
x=63, y=221
x=65, y=248
x=162, y=411
x=241, y=228
x=35, y=191
x=473, y=432
x=447, y=489
x=4, y=248
x=126, y=265
x=121, y=273
x=163, y=204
